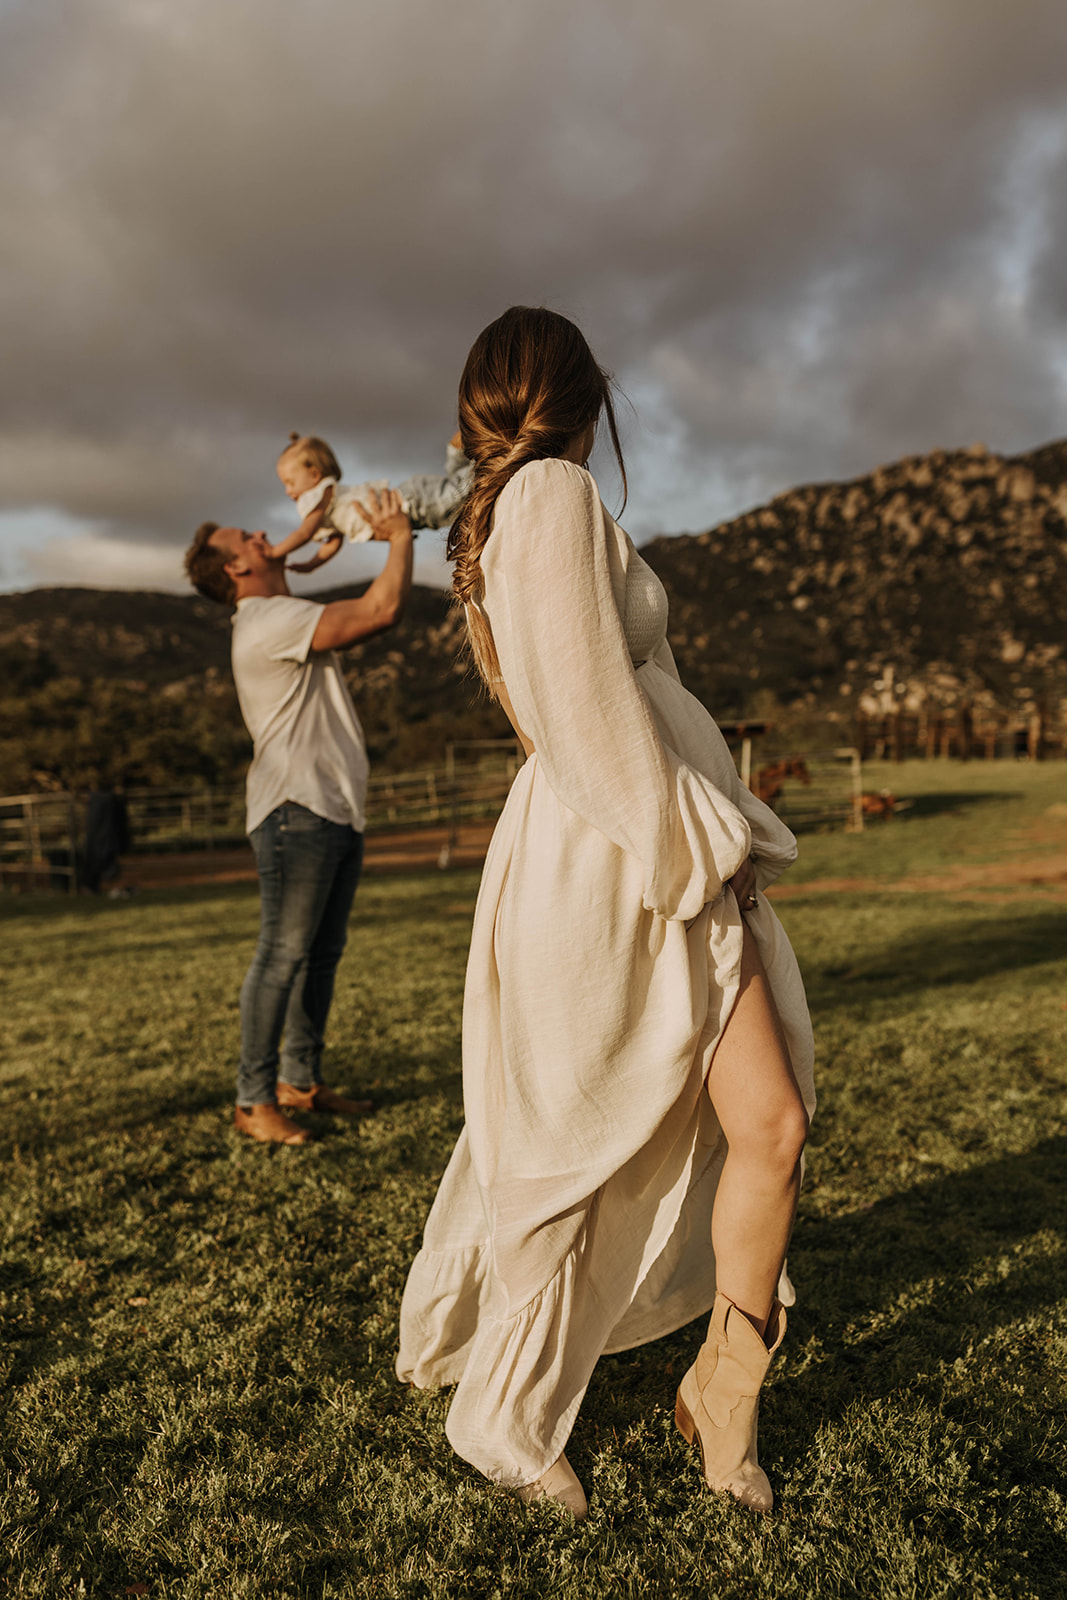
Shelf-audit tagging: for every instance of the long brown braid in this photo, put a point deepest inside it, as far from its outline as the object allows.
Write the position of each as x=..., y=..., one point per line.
x=530, y=387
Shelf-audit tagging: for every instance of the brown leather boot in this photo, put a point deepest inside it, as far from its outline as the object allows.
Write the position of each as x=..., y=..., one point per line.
x=320, y=1098
x=266, y=1125
x=561, y=1484
x=718, y=1401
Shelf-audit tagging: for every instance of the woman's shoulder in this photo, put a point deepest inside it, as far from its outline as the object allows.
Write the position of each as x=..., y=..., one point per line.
x=550, y=496
x=549, y=477
x=551, y=514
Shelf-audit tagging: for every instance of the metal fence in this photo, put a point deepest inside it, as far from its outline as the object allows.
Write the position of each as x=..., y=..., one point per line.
x=821, y=789
x=473, y=783
x=41, y=835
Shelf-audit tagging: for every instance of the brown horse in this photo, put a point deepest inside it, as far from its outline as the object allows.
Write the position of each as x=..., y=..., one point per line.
x=879, y=805
x=769, y=779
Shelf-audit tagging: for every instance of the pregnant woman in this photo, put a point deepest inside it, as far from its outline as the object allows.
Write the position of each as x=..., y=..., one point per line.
x=637, y=1056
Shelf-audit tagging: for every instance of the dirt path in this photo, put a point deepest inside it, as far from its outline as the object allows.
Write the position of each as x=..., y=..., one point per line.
x=1041, y=869
x=1039, y=863
x=402, y=851
x=1011, y=880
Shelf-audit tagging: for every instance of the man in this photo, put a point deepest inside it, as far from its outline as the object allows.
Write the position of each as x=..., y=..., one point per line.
x=306, y=801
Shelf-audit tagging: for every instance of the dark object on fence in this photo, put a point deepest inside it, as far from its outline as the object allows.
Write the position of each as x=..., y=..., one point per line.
x=107, y=836
x=62, y=863
x=769, y=779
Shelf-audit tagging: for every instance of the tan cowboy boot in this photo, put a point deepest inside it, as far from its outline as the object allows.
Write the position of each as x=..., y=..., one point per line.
x=320, y=1098
x=718, y=1400
x=559, y=1483
x=266, y=1125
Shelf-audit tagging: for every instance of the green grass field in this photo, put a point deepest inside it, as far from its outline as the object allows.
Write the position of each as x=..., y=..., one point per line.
x=198, y=1333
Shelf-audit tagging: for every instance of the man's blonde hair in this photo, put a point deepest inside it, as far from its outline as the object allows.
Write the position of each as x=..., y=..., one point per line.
x=311, y=452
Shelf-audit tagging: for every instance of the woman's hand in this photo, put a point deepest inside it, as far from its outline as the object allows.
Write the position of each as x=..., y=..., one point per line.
x=743, y=883
x=386, y=517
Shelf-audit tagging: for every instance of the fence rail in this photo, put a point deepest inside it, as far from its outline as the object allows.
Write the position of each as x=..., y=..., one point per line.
x=41, y=835
x=827, y=791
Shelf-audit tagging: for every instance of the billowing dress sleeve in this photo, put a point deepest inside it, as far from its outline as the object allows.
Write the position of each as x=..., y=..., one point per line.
x=564, y=660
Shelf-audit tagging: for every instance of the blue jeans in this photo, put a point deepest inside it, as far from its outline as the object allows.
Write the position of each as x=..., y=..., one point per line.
x=308, y=871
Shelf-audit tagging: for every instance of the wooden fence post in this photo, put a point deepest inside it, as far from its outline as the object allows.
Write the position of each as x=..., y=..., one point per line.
x=72, y=829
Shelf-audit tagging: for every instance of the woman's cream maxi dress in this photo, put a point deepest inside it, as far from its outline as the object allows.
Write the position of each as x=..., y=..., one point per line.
x=574, y=1216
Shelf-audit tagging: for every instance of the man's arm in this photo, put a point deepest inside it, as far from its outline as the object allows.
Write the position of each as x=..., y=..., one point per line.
x=344, y=622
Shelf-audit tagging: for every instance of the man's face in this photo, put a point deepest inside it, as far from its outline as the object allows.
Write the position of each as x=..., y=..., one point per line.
x=248, y=554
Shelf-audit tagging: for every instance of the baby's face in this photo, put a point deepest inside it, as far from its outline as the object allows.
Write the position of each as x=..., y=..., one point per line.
x=297, y=477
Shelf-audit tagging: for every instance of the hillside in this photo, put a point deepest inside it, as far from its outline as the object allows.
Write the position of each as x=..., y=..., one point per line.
x=103, y=686
x=932, y=587
x=935, y=584
x=148, y=638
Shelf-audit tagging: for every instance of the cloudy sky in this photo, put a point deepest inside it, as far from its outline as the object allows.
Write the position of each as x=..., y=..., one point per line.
x=807, y=236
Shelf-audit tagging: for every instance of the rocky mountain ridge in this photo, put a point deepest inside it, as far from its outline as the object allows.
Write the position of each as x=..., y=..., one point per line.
x=934, y=585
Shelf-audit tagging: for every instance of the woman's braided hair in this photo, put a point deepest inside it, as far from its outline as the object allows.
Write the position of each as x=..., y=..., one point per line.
x=531, y=386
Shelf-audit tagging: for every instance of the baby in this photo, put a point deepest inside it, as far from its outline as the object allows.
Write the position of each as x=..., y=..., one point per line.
x=332, y=511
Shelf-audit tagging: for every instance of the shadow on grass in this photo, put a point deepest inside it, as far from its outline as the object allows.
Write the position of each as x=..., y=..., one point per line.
x=894, y=1292
x=913, y=1260
x=15, y=907
x=936, y=1234
x=446, y=1084
x=52, y=1124
x=930, y=1309
x=935, y=805
x=964, y=949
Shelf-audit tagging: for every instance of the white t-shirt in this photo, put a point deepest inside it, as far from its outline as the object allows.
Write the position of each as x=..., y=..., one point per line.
x=308, y=744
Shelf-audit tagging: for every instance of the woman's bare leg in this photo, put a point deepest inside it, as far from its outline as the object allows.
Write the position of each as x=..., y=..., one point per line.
x=760, y=1110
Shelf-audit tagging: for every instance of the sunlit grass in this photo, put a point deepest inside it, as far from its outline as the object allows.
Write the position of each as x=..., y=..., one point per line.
x=198, y=1333
x=951, y=811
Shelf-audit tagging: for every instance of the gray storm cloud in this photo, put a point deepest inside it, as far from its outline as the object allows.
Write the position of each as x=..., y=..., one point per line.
x=806, y=237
